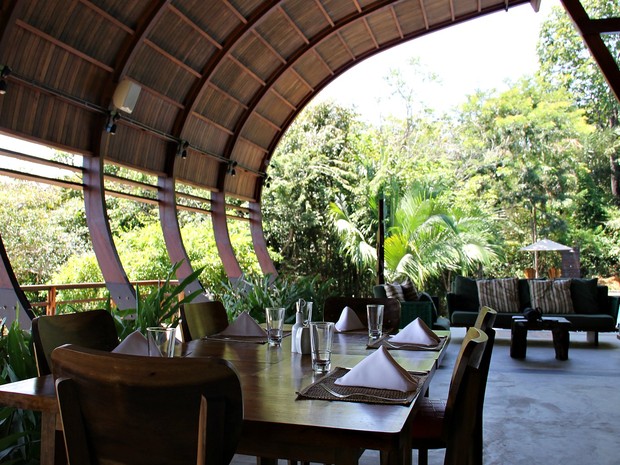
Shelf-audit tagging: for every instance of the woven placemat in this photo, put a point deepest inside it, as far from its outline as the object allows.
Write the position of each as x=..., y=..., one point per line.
x=358, y=394
x=383, y=341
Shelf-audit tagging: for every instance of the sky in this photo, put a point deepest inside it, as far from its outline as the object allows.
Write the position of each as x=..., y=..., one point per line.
x=481, y=54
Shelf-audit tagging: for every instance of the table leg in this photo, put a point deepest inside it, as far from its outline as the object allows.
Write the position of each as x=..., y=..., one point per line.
x=518, y=339
x=561, y=341
x=48, y=438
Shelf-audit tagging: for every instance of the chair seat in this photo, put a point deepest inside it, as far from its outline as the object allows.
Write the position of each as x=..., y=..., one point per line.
x=427, y=431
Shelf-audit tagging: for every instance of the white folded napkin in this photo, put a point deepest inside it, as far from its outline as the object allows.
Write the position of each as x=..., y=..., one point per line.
x=134, y=344
x=244, y=325
x=416, y=332
x=380, y=371
x=348, y=321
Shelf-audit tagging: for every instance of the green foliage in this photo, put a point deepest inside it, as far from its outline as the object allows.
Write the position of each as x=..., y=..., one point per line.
x=159, y=307
x=254, y=294
x=20, y=430
x=34, y=229
x=317, y=162
x=565, y=61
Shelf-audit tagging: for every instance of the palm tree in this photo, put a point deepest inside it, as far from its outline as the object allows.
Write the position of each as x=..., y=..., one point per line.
x=428, y=239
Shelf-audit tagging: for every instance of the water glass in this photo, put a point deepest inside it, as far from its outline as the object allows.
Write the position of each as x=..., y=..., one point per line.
x=375, y=321
x=321, y=337
x=160, y=341
x=275, y=322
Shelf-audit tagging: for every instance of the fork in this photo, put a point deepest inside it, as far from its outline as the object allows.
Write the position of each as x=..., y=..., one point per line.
x=358, y=394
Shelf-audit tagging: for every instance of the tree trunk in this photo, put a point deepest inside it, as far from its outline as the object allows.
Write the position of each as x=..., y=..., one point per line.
x=615, y=177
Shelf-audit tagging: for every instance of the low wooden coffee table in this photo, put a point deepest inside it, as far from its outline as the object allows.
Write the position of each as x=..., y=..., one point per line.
x=558, y=326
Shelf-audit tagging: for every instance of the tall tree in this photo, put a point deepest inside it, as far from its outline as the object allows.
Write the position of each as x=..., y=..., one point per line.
x=566, y=62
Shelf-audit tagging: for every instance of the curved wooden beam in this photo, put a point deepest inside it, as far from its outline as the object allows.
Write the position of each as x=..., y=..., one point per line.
x=11, y=294
x=591, y=31
x=172, y=234
x=222, y=238
x=258, y=239
x=121, y=290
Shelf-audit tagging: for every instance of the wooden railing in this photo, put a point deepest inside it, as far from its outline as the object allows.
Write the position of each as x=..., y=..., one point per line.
x=51, y=303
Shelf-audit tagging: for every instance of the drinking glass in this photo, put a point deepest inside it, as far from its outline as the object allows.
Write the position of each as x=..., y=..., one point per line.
x=275, y=321
x=160, y=341
x=375, y=321
x=321, y=337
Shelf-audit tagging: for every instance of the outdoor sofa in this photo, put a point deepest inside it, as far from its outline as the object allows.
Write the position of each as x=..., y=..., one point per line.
x=419, y=304
x=587, y=305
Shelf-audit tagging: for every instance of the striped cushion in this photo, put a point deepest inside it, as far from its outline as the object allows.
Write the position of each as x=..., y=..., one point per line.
x=409, y=290
x=394, y=291
x=499, y=294
x=551, y=296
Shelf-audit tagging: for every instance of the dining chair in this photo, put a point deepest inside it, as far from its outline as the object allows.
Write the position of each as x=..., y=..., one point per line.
x=94, y=329
x=199, y=319
x=391, y=312
x=451, y=424
x=132, y=410
x=484, y=322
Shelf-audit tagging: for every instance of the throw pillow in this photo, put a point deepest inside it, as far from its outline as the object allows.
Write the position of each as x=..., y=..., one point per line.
x=499, y=294
x=410, y=292
x=551, y=296
x=394, y=291
x=584, y=293
x=467, y=292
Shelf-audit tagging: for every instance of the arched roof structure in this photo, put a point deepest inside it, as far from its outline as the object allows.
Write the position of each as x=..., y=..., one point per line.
x=192, y=91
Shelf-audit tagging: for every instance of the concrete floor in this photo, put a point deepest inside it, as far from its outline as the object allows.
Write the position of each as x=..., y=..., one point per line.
x=541, y=410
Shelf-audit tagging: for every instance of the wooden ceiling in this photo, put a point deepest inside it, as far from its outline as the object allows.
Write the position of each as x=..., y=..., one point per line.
x=220, y=79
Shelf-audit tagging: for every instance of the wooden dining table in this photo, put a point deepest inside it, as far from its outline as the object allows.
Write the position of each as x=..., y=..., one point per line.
x=278, y=424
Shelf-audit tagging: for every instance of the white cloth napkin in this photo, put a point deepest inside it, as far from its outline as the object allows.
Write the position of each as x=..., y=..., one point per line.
x=134, y=344
x=348, y=321
x=380, y=371
x=416, y=332
x=244, y=325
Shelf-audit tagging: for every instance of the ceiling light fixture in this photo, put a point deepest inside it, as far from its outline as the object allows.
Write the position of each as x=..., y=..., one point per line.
x=3, y=74
x=110, y=126
x=183, y=145
x=231, y=168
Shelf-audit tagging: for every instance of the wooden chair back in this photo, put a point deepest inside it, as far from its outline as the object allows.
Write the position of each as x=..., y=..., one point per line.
x=199, y=319
x=94, y=329
x=463, y=398
x=391, y=311
x=484, y=322
x=130, y=410
x=485, y=319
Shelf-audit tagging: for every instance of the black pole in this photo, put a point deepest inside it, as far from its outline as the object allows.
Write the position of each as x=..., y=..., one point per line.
x=380, y=243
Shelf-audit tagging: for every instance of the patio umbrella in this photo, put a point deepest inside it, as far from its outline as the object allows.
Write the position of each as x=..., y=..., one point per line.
x=543, y=245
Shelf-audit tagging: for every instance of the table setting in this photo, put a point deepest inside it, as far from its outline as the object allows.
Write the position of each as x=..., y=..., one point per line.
x=415, y=336
x=377, y=379
x=243, y=329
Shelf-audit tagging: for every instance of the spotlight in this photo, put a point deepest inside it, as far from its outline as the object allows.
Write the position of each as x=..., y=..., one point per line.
x=231, y=168
x=110, y=126
x=183, y=145
x=3, y=74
